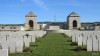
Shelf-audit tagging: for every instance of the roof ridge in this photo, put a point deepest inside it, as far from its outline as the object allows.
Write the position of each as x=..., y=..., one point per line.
x=73, y=14
x=30, y=14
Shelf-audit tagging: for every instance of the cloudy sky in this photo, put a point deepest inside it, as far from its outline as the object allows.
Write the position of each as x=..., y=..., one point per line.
x=14, y=11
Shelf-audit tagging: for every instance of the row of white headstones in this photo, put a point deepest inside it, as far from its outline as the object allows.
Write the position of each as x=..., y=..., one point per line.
x=15, y=41
x=90, y=39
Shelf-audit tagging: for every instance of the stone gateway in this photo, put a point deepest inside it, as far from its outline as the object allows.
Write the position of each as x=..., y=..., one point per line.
x=73, y=22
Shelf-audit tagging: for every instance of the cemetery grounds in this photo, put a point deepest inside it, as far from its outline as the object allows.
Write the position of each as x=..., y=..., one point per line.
x=54, y=44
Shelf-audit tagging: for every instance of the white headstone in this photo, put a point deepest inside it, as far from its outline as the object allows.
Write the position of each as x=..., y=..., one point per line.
x=33, y=38
x=4, y=44
x=4, y=52
x=29, y=38
x=99, y=44
x=73, y=38
x=19, y=46
x=79, y=41
x=76, y=38
x=12, y=46
x=95, y=45
x=89, y=45
x=84, y=41
x=26, y=41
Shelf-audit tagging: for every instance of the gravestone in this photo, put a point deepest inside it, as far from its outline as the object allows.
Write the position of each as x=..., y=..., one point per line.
x=99, y=44
x=76, y=38
x=4, y=44
x=89, y=45
x=29, y=38
x=19, y=46
x=26, y=41
x=95, y=45
x=79, y=41
x=3, y=52
x=73, y=38
x=33, y=38
x=12, y=46
x=84, y=41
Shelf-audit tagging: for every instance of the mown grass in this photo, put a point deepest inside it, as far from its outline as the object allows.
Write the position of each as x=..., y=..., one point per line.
x=55, y=44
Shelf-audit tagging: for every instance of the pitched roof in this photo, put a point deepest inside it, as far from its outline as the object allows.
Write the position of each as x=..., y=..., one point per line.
x=31, y=14
x=73, y=14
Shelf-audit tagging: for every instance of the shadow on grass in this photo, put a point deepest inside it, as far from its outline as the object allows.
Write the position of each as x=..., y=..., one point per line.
x=77, y=50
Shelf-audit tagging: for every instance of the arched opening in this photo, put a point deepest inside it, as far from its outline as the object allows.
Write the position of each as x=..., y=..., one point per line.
x=74, y=24
x=31, y=24
x=40, y=27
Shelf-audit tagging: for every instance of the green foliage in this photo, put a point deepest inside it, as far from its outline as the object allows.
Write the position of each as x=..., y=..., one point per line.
x=74, y=44
x=84, y=48
x=69, y=40
x=80, y=48
x=27, y=49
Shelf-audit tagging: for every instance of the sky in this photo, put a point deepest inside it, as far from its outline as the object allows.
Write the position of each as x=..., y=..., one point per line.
x=14, y=11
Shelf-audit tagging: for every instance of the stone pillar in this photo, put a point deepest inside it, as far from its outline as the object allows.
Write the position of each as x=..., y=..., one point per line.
x=31, y=17
x=70, y=21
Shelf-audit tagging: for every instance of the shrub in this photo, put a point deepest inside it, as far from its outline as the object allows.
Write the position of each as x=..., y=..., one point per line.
x=69, y=40
x=27, y=49
x=84, y=48
x=78, y=48
x=74, y=44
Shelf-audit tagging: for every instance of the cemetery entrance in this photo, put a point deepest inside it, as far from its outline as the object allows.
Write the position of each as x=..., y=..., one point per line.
x=74, y=24
x=31, y=24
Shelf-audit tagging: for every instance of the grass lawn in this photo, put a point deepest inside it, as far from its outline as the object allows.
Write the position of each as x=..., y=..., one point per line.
x=55, y=44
